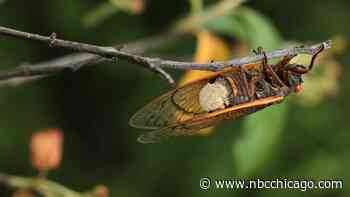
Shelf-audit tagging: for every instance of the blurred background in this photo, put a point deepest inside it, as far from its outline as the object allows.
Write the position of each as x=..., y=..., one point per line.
x=306, y=137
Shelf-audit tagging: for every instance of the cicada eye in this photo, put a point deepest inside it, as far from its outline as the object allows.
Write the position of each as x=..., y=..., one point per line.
x=295, y=79
x=298, y=88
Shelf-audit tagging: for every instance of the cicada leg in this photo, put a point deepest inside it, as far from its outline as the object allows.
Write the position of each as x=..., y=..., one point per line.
x=281, y=64
x=248, y=86
x=271, y=73
x=314, y=57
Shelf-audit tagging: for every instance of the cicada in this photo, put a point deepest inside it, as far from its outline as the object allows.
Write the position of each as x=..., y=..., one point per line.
x=224, y=95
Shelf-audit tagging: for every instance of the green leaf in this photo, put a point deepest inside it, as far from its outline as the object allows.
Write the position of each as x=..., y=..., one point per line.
x=261, y=134
x=99, y=14
x=248, y=26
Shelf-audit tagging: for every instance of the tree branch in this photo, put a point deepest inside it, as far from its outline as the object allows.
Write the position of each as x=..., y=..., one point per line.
x=111, y=53
x=75, y=61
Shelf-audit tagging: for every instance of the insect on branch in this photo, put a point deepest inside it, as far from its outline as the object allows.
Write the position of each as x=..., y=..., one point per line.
x=154, y=64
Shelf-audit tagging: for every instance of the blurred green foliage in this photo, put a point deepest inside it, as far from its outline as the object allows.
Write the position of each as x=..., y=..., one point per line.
x=93, y=105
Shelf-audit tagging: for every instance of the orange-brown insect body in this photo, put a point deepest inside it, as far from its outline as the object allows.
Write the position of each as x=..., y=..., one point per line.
x=225, y=95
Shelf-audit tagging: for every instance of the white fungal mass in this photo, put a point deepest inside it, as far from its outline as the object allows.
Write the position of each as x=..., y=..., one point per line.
x=215, y=95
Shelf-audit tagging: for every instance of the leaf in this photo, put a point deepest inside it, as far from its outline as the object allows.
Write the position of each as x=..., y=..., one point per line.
x=248, y=26
x=261, y=134
x=107, y=9
x=99, y=14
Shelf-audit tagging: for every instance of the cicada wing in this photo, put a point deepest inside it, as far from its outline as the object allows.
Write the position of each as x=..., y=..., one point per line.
x=192, y=126
x=159, y=113
x=164, y=134
x=175, y=106
x=187, y=96
x=154, y=136
x=186, y=128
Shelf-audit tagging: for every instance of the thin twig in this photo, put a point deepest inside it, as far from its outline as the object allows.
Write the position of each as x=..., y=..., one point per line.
x=75, y=61
x=154, y=64
x=106, y=52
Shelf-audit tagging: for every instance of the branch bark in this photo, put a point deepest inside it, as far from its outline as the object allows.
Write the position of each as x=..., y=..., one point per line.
x=75, y=61
x=102, y=53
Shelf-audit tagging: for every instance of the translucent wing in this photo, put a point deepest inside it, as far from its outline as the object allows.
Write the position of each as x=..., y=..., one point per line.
x=159, y=113
x=187, y=97
x=175, y=106
x=163, y=134
x=192, y=126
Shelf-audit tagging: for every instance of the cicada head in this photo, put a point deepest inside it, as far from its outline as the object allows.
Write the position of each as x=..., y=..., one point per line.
x=292, y=73
x=294, y=77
